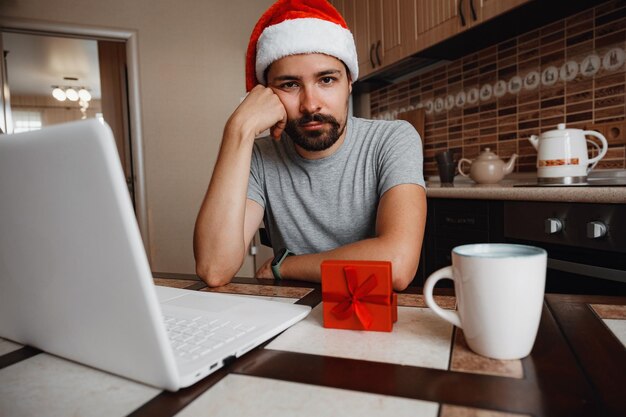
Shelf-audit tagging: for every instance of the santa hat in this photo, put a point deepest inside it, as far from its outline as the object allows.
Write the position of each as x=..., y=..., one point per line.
x=291, y=27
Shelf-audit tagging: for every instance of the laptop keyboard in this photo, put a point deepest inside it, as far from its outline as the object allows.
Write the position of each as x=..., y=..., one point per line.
x=193, y=338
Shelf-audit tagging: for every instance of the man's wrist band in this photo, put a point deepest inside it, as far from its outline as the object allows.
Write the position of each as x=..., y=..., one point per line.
x=278, y=260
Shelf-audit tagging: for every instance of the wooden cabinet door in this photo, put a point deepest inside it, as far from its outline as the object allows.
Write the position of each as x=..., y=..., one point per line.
x=384, y=30
x=362, y=36
x=391, y=29
x=408, y=27
x=375, y=31
x=356, y=15
x=339, y=5
x=438, y=20
x=392, y=35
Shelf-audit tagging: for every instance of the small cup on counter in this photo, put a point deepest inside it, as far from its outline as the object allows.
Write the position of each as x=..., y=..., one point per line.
x=446, y=166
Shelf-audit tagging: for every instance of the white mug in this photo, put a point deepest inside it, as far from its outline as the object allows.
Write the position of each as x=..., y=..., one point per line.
x=499, y=290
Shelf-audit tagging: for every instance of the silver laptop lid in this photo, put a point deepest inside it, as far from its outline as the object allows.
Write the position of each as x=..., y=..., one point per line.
x=73, y=269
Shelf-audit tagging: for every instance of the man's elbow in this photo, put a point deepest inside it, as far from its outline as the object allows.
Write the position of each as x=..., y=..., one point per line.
x=213, y=274
x=403, y=273
x=401, y=282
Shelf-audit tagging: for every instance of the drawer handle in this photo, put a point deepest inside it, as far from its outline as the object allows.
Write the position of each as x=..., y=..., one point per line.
x=587, y=270
x=460, y=220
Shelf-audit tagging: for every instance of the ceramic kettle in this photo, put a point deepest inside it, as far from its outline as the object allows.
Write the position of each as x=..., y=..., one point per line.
x=488, y=168
x=563, y=156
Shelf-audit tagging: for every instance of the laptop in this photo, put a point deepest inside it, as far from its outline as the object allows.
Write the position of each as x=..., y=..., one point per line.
x=74, y=276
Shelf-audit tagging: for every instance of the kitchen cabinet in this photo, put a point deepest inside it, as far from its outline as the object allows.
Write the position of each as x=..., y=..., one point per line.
x=356, y=15
x=387, y=31
x=438, y=20
x=391, y=28
x=454, y=222
x=384, y=30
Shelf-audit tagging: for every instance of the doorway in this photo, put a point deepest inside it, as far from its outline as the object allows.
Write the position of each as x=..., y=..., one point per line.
x=54, y=79
x=119, y=50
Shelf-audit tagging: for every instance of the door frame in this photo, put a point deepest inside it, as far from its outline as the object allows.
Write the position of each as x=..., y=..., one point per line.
x=36, y=27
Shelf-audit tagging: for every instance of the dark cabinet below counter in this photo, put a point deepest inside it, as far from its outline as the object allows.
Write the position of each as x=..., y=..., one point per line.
x=454, y=222
x=578, y=261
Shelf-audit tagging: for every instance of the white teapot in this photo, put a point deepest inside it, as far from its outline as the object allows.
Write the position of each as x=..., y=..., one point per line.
x=563, y=157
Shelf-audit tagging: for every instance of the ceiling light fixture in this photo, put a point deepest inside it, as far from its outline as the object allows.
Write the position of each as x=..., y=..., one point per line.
x=63, y=93
x=71, y=94
x=58, y=93
x=84, y=95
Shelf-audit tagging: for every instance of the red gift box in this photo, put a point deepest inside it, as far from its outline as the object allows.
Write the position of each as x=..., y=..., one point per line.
x=358, y=295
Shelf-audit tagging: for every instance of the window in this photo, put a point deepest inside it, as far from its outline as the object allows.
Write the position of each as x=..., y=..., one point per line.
x=26, y=120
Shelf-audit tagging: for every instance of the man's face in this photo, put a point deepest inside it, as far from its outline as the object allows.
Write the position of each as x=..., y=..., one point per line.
x=314, y=88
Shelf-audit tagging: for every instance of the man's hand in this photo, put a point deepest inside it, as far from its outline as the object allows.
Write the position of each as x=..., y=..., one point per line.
x=259, y=111
x=265, y=271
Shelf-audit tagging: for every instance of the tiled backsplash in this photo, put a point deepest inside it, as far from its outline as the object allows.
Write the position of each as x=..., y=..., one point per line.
x=571, y=71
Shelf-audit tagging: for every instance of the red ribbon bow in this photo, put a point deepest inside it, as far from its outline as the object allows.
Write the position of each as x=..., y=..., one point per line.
x=358, y=296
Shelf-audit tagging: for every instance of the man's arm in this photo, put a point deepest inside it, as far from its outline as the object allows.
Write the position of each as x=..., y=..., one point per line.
x=400, y=225
x=227, y=220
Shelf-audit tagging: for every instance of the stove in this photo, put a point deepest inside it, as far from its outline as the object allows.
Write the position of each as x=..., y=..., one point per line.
x=586, y=243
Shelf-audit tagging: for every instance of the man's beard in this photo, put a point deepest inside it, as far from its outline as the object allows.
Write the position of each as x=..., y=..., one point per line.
x=314, y=140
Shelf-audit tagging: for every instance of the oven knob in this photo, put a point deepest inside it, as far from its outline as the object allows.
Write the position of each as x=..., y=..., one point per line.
x=553, y=226
x=596, y=230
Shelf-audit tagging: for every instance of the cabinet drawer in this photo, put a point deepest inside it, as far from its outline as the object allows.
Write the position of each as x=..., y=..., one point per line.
x=460, y=223
x=460, y=217
x=455, y=222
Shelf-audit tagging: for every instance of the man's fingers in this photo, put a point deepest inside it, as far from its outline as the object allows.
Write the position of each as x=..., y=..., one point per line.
x=264, y=110
x=277, y=129
x=265, y=271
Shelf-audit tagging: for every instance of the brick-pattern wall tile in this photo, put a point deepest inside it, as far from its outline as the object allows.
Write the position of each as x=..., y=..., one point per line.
x=504, y=123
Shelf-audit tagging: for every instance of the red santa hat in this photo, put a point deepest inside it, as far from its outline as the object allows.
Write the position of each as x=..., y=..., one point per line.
x=291, y=27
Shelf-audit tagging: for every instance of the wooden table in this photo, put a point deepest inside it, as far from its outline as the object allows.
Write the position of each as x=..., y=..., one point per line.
x=577, y=366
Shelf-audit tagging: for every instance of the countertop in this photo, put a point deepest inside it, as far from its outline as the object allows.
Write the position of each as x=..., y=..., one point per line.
x=577, y=368
x=520, y=188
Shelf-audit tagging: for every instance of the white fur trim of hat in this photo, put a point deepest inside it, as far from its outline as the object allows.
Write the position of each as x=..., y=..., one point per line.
x=303, y=36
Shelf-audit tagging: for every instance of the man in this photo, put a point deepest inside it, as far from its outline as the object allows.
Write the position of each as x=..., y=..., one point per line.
x=328, y=186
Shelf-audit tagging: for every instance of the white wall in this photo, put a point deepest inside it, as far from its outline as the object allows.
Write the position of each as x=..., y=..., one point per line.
x=191, y=66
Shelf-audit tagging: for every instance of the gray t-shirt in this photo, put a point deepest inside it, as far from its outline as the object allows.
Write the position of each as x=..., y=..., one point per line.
x=316, y=205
